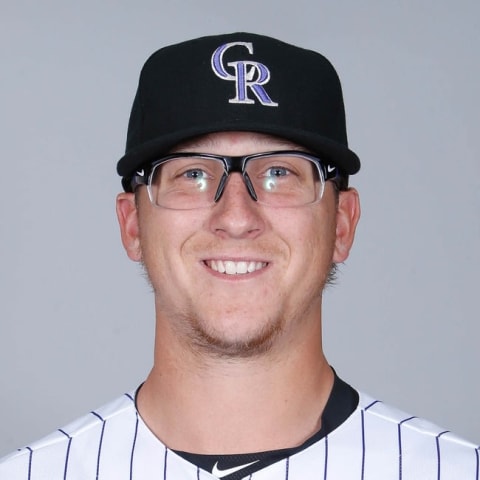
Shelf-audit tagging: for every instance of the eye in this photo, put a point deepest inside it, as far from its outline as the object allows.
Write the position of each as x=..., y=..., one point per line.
x=277, y=172
x=195, y=177
x=195, y=174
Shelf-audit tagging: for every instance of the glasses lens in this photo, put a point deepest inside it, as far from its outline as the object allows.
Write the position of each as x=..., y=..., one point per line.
x=285, y=180
x=185, y=182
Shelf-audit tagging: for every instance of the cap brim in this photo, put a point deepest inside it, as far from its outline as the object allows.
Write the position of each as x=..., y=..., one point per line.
x=335, y=153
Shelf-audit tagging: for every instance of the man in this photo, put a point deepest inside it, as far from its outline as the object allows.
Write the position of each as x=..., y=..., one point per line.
x=237, y=204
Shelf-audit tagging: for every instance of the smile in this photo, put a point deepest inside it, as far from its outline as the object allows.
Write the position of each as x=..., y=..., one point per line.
x=230, y=267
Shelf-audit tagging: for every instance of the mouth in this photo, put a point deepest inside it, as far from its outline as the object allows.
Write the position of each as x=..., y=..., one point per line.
x=230, y=267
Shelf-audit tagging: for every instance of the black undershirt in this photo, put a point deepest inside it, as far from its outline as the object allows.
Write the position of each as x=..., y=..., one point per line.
x=343, y=400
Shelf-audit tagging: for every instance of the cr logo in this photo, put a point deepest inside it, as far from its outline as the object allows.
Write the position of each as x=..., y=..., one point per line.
x=247, y=75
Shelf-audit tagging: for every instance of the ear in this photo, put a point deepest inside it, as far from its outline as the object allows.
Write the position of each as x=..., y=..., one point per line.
x=348, y=214
x=127, y=215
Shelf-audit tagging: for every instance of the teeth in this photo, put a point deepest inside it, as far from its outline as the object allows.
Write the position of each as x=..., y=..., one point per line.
x=242, y=267
x=230, y=268
x=235, y=268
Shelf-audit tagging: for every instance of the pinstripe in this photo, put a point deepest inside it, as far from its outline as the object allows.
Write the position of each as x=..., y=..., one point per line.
x=363, y=444
x=165, y=464
x=134, y=436
x=437, y=440
x=399, y=430
x=30, y=457
x=133, y=445
x=198, y=473
x=287, y=467
x=326, y=459
x=372, y=404
x=68, y=453
x=99, y=444
x=363, y=435
x=399, y=427
x=478, y=463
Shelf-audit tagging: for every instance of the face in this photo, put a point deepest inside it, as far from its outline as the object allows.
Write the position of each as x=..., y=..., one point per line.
x=237, y=278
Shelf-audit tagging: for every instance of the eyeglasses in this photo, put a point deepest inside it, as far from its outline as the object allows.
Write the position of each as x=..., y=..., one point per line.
x=184, y=181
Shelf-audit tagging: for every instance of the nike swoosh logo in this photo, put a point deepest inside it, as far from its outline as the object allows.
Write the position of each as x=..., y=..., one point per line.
x=330, y=169
x=223, y=473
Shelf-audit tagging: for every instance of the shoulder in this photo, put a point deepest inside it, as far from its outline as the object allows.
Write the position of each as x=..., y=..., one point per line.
x=381, y=417
x=418, y=444
x=51, y=456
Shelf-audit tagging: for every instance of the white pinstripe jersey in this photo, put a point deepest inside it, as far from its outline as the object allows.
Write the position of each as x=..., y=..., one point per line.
x=377, y=442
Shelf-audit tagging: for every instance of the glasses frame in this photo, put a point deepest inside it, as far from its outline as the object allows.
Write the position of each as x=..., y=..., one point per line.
x=233, y=164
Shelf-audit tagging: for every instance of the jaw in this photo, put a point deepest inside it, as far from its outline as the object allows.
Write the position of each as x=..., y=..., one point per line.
x=228, y=311
x=231, y=314
x=246, y=341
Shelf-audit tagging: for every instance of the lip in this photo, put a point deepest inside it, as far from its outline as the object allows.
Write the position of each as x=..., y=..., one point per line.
x=235, y=268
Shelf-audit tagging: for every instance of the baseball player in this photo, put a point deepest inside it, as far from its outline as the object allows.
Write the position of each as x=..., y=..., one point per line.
x=236, y=201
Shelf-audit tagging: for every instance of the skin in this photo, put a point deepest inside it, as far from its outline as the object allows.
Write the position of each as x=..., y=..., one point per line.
x=239, y=353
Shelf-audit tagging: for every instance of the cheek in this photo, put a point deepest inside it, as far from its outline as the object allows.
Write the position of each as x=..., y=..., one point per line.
x=319, y=247
x=163, y=234
x=310, y=236
x=316, y=231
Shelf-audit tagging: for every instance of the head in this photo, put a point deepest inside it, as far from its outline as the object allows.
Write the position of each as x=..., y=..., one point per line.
x=242, y=261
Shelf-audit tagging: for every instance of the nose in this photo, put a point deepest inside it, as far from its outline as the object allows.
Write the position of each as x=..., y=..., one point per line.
x=246, y=179
x=236, y=214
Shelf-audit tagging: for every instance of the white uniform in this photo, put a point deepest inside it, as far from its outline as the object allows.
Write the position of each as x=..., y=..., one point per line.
x=376, y=442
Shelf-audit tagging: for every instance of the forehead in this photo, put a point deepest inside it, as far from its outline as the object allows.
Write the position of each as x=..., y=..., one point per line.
x=236, y=143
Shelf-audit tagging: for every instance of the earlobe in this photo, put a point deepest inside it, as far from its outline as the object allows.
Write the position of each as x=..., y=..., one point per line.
x=348, y=214
x=127, y=215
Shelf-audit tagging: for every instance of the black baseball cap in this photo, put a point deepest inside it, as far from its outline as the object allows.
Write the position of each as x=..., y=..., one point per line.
x=237, y=82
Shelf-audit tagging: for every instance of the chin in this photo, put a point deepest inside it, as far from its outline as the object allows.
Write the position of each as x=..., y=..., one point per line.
x=244, y=344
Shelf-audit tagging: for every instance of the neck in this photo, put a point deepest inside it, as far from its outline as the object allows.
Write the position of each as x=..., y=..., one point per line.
x=205, y=404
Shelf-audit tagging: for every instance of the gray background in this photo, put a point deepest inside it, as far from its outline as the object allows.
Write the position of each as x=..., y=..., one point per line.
x=76, y=314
